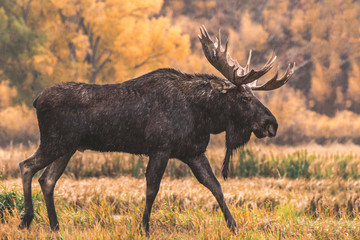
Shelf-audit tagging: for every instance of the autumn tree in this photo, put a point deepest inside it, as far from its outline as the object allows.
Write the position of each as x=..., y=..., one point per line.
x=116, y=40
x=93, y=41
x=18, y=46
x=326, y=30
x=43, y=42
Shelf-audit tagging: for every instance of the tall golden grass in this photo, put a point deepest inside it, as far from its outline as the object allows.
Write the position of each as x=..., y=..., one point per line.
x=95, y=203
x=264, y=208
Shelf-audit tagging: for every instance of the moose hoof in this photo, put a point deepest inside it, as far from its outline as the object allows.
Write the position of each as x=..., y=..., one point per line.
x=55, y=228
x=143, y=229
x=22, y=225
x=232, y=226
x=26, y=221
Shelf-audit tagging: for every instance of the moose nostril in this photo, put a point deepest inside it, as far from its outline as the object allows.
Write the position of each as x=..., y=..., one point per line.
x=271, y=130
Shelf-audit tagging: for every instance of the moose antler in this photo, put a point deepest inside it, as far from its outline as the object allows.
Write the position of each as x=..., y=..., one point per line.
x=275, y=83
x=231, y=69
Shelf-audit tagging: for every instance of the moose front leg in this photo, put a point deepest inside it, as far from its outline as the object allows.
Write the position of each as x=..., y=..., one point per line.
x=154, y=173
x=201, y=168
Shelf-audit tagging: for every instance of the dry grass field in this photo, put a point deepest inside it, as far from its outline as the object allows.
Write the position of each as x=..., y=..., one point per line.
x=307, y=192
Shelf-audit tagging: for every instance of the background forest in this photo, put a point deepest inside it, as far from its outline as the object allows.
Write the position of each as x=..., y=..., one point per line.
x=307, y=191
x=43, y=42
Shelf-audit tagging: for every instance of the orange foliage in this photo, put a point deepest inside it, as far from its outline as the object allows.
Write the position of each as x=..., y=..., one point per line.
x=252, y=34
x=18, y=124
x=320, y=84
x=138, y=36
x=354, y=83
x=297, y=123
x=276, y=17
x=7, y=93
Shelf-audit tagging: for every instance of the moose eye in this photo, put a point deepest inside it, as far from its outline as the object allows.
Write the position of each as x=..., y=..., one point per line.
x=246, y=99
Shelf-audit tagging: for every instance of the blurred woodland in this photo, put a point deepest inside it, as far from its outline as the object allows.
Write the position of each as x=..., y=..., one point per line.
x=43, y=42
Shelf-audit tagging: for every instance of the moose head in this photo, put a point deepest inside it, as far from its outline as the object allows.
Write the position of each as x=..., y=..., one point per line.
x=248, y=113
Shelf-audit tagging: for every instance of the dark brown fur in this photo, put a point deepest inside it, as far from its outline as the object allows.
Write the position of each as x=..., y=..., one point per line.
x=163, y=114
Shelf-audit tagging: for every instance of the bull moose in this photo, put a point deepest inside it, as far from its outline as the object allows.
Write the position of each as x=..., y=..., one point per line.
x=163, y=114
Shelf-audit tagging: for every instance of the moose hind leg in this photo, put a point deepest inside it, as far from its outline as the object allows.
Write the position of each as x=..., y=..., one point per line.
x=202, y=170
x=154, y=173
x=28, y=168
x=48, y=181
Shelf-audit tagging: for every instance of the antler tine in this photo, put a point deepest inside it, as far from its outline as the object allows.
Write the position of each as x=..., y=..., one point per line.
x=202, y=34
x=248, y=62
x=226, y=45
x=274, y=83
x=206, y=34
x=219, y=39
x=205, y=30
x=229, y=67
x=215, y=54
x=269, y=64
x=254, y=75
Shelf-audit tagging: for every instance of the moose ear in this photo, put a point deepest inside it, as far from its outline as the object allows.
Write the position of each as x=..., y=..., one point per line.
x=221, y=86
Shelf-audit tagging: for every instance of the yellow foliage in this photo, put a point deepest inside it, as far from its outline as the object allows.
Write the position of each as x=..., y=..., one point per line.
x=334, y=27
x=137, y=42
x=148, y=45
x=70, y=71
x=81, y=42
x=253, y=35
x=7, y=93
x=313, y=15
x=110, y=16
x=320, y=84
x=340, y=98
x=335, y=62
x=18, y=123
x=276, y=17
x=289, y=107
x=344, y=124
x=177, y=5
x=354, y=83
x=298, y=23
x=237, y=51
x=3, y=19
x=70, y=7
x=350, y=27
x=44, y=62
x=204, y=5
x=143, y=35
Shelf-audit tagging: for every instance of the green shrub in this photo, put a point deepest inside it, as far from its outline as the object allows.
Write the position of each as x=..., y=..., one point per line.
x=11, y=200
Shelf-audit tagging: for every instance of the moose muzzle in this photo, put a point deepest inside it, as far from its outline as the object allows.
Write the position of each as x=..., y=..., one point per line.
x=268, y=129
